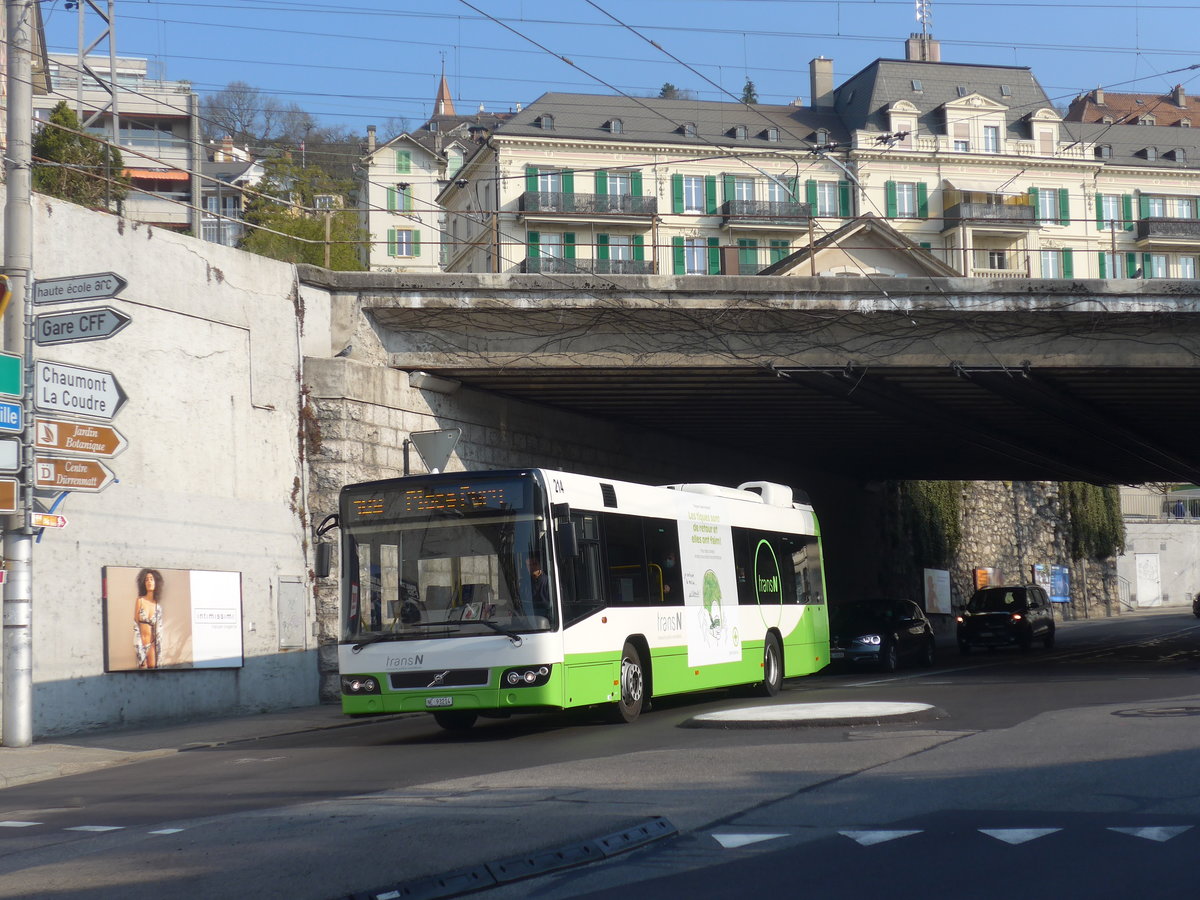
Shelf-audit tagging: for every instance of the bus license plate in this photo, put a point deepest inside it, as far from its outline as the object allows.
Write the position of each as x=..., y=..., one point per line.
x=439, y=701
x=836, y=654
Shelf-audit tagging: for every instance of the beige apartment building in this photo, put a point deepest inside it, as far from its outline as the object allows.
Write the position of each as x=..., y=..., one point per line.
x=974, y=163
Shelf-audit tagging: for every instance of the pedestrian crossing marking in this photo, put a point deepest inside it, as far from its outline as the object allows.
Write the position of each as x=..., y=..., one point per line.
x=870, y=838
x=733, y=841
x=1017, y=835
x=1159, y=834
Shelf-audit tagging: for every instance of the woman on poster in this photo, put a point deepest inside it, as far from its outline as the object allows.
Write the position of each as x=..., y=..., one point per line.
x=148, y=619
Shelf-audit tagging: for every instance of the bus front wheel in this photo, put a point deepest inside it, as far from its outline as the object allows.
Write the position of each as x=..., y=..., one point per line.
x=772, y=667
x=633, y=685
x=456, y=720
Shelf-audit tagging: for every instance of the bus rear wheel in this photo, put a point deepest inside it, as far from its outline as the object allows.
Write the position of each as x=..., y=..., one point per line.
x=633, y=685
x=772, y=667
x=456, y=720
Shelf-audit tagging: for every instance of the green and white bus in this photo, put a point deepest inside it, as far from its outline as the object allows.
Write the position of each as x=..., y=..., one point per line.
x=490, y=593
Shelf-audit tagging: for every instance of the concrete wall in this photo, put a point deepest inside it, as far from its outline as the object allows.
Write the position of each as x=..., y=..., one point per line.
x=213, y=477
x=1176, y=544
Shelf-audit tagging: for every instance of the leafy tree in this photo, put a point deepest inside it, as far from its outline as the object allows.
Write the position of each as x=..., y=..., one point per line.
x=75, y=168
x=291, y=227
x=668, y=92
x=749, y=93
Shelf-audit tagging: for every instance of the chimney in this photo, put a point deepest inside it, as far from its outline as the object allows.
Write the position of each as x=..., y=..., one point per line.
x=1098, y=96
x=820, y=78
x=225, y=154
x=922, y=48
x=1179, y=96
x=370, y=138
x=798, y=102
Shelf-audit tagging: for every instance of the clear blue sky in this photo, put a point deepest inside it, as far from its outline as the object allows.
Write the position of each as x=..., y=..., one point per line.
x=367, y=61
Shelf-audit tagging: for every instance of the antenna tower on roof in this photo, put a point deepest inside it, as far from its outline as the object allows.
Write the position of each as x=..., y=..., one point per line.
x=924, y=16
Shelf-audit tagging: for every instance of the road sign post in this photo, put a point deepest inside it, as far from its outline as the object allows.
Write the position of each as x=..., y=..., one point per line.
x=97, y=324
x=101, y=286
x=79, y=438
x=76, y=391
x=68, y=473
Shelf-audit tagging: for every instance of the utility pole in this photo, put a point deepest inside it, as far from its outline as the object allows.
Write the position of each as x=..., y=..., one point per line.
x=18, y=265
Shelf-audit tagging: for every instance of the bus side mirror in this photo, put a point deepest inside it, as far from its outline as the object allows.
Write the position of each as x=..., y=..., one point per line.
x=568, y=545
x=324, y=559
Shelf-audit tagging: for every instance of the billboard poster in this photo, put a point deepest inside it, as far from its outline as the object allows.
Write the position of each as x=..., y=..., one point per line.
x=937, y=591
x=710, y=595
x=171, y=619
x=984, y=577
x=1060, y=584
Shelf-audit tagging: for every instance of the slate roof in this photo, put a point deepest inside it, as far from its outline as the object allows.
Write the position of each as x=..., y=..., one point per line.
x=658, y=121
x=1127, y=108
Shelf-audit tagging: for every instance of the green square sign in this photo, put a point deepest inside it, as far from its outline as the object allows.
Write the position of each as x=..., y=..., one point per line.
x=12, y=372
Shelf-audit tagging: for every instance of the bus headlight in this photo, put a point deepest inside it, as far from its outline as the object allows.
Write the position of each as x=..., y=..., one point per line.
x=360, y=684
x=527, y=676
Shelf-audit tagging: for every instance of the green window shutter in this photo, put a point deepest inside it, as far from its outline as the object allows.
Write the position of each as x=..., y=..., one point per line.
x=601, y=183
x=391, y=242
x=1103, y=264
x=844, y=199
x=531, y=178
x=779, y=250
x=677, y=254
x=727, y=189
x=391, y=199
x=677, y=193
x=1099, y=212
x=1143, y=206
x=793, y=187
x=1145, y=265
x=1064, y=206
x=639, y=247
x=406, y=199
x=714, y=256
x=403, y=161
x=710, y=194
x=1130, y=265
x=1033, y=201
x=810, y=193
x=1068, y=263
x=602, y=246
x=926, y=245
x=569, y=245
x=889, y=191
x=416, y=242
x=635, y=183
x=747, y=251
x=922, y=200
x=532, y=249
x=1127, y=211
x=568, y=182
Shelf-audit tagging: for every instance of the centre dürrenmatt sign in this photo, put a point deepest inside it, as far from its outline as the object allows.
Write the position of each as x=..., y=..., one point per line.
x=61, y=388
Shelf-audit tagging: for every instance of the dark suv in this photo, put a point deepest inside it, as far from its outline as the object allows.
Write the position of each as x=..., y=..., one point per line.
x=998, y=616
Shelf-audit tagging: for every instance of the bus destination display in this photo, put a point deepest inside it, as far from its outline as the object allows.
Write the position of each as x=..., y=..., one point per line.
x=441, y=498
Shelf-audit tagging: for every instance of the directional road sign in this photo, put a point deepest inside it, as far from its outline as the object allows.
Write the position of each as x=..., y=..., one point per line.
x=60, y=388
x=12, y=375
x=10, y=455
x=100, y=286
x=8, y=495
x=11, y=416
x=96, y=324
x=49, y=520
x=71, y=474
x=83, y=438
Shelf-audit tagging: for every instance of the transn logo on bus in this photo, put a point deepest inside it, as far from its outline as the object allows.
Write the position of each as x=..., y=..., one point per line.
x=403, y=662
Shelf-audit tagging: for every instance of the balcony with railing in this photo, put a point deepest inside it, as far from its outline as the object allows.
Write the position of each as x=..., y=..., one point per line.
x=1167, y=230
x=606, y=206
x=768, y=213
x=556, y=265
x=976, y=213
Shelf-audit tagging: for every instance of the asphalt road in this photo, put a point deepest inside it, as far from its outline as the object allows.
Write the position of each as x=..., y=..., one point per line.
x=1058, y=773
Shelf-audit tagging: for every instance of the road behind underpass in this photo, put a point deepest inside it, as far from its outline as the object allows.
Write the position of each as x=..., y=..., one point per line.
x=1101, y=733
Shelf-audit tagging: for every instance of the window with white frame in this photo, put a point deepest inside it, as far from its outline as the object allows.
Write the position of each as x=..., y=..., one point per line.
x=620, y=246
x=827, y=198
x=997, y=259
x=1051, y=264
x=1156, y=206
x=618, y=184
x=1112, y=265
x=906, y=200
x=777, y=191
x=1156, y=266
x=695, y=256
x=550, y=245
x=991, y=138
x=1187, y=267
x=743, y=188
x=1110, y=212
x=402, y=242
x=549, y=181
x=693, y=194
x=1047, y=201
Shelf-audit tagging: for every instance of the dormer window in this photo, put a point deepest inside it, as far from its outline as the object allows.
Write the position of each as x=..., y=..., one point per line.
x=770, y=134
x=917, y=86
x=614, y=126
x=1107, y=120
x=1005, y=90
x=688, y=129
x=1151, y=153
x=822, y=137
x=545, y=122
x=738, y=132
x=962, y=90
x=1178, y=154
x=1103, y=151
x=1147, y=120
x=433, y=126
x=1185, y=123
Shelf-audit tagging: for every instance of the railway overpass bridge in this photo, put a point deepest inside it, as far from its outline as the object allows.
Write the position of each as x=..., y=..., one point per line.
x=870, y=378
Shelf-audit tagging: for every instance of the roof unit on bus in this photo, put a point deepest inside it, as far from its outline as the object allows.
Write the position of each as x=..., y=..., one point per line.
x=716, y=490
x=772, y=494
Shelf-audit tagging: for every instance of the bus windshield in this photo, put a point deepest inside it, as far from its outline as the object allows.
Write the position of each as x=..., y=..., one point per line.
x=446, y=556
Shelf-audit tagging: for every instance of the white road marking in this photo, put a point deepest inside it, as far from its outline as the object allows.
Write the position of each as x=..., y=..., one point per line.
x=1154, y=834
x=167, y=831
x=1017, y=835
x=791, y=712
x=14, y=824
x=733, y=841
x=869, y=838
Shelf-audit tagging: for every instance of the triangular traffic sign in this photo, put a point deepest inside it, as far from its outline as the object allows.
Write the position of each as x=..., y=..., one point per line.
x=435, y=447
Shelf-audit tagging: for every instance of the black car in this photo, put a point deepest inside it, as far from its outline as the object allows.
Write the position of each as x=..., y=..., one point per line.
x=1196, y=606
x=1001, y=616
x=880, y=633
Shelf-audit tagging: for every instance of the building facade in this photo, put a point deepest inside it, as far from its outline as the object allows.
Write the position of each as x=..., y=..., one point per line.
x=972, y=162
